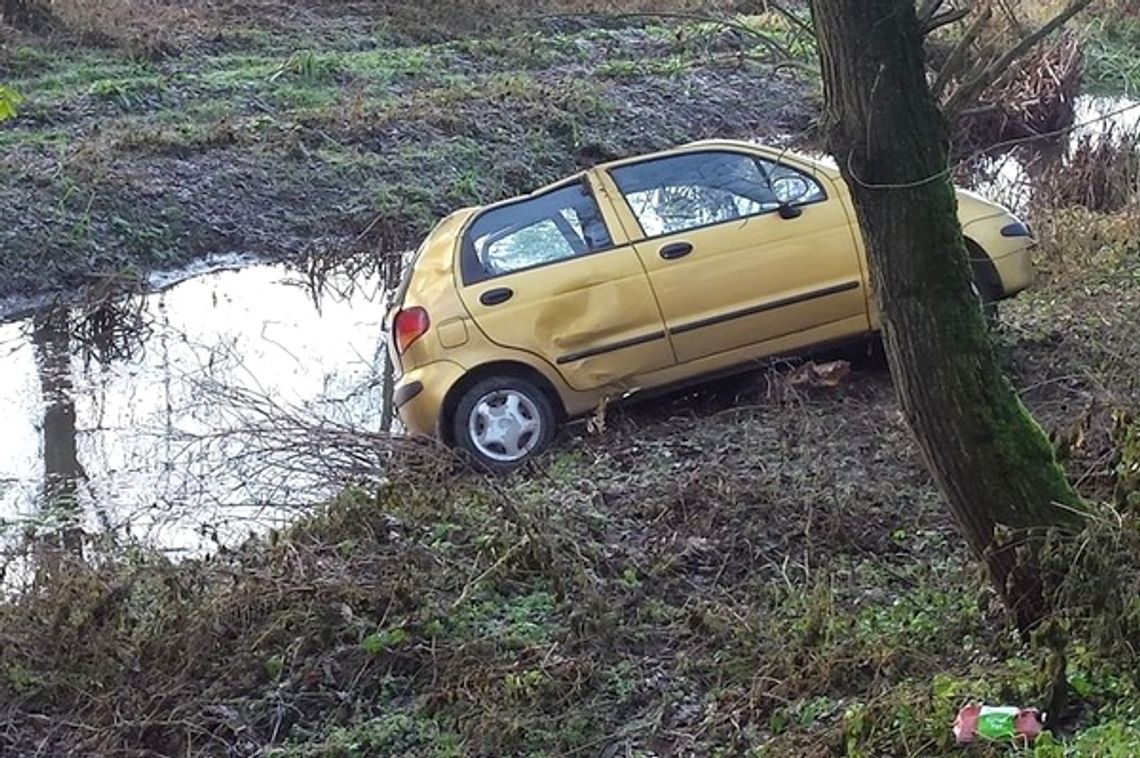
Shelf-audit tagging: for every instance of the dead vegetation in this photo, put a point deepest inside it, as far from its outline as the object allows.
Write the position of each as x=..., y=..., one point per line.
x=1034, y=99
x=761, y=565
x=1100, y=172
x=150, y=28
x=606, y=600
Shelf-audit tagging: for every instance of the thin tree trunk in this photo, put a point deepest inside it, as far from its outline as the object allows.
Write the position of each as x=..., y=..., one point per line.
x=988, y=456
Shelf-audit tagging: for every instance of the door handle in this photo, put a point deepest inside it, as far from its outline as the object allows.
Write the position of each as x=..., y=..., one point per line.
x=496, y=296
x=676, y=250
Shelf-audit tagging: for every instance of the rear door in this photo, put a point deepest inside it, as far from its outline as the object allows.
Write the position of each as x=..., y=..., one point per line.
x=741, y=249
x=543, y=274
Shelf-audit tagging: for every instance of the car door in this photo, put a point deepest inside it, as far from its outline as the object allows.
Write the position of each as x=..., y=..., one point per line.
x=741, y=249
x=543, y=274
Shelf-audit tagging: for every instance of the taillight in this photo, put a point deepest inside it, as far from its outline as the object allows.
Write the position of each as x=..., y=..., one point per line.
x=409, y=326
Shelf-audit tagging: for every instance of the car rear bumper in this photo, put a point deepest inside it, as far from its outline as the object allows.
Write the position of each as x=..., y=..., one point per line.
x=420, y=393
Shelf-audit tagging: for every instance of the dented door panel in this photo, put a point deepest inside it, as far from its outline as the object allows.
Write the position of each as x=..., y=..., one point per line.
x=588, y=312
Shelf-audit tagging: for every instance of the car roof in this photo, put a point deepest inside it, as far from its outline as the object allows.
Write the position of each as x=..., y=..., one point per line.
x=818, y=163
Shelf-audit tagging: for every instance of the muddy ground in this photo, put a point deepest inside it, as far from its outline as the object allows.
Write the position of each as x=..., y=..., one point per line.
x=288, y=136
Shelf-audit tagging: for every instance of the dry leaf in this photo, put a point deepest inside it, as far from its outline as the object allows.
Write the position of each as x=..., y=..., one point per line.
x=820, y=375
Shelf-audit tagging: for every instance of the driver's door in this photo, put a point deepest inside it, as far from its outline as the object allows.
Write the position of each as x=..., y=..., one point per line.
x=733, y=258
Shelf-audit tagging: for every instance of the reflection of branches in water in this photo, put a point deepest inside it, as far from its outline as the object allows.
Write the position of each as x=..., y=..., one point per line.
x=110, y=321
x=374, y=258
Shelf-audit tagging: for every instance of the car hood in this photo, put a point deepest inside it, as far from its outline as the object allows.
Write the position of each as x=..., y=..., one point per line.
x=973, y=207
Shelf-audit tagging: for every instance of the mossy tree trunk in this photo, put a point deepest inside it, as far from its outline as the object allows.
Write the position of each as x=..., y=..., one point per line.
x=988, y=456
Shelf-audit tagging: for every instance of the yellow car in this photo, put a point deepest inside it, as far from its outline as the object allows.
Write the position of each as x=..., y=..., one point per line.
x=639, y=274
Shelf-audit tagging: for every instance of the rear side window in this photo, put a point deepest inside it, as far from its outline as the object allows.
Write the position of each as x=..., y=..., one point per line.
x=555, y=226
x=694, y=190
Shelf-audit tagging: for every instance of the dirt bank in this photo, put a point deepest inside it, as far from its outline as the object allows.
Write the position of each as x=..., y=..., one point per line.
x=753, y=568
x=284, y=135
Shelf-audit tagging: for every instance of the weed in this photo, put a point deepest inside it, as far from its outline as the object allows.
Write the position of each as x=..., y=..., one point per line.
x=1126, y=435
x=10, y=99
x=129, y=94
x=308, y=67
x=1101, y=172
x=1109, y=47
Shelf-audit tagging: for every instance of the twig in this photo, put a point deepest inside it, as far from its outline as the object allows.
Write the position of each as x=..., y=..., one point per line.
x=945, y=19
x=954, y=63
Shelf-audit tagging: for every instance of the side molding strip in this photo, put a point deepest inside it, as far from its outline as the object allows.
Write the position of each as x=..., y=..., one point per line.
x=591, y=352
x=762, y=307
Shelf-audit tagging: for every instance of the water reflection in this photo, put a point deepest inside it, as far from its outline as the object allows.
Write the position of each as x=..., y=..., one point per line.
x=51, y=338
x=169, y=437
x=1009, y=177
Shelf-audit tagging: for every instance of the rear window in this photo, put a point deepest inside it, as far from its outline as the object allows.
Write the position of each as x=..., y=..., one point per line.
x=558, y=225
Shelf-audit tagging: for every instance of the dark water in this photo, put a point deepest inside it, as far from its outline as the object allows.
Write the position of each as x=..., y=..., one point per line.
x=178, y=433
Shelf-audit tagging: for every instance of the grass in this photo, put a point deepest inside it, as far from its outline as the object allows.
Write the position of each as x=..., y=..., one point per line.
x=747, y=569
x=274, y=134
x=1109, y=48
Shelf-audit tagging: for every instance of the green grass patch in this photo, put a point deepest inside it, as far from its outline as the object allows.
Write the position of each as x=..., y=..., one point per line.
x=1111, y=63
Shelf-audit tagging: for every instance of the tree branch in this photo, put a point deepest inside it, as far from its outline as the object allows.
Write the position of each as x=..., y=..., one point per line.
x=966, y=93
x=795, y=20
x=956, y=62
x=927, y=10
x=945, y=19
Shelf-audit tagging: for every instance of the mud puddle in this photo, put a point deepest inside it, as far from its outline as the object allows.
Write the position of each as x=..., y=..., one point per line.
x=159, y=428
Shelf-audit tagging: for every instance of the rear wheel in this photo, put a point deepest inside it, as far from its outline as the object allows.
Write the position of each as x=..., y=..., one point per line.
x=502, y=422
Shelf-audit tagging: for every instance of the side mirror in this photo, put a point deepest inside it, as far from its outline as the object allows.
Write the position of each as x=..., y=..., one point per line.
x=790, y=188
x=789, y=212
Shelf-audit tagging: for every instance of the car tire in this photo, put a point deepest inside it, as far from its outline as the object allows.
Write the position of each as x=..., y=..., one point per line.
x=503, y=422
x=985, y=280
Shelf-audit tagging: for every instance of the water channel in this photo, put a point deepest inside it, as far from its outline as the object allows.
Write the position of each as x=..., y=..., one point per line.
x=162, y=438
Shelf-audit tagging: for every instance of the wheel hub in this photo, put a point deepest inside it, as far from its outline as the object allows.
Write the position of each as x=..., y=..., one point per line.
x=505, y=425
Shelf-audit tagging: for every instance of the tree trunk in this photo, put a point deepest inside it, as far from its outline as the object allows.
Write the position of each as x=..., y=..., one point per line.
x=988, y=456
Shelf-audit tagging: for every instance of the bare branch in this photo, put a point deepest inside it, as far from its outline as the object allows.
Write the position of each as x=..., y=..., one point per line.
x=927, y=10
x=945, y=19
x=973, y=87
x=957, y=60
x=792, y=18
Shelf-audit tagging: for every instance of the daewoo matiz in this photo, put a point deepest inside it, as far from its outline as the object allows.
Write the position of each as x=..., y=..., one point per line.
x=639, y=274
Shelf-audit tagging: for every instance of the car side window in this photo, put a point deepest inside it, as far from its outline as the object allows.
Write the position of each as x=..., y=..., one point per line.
x=689, y=191
x=555, y=226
